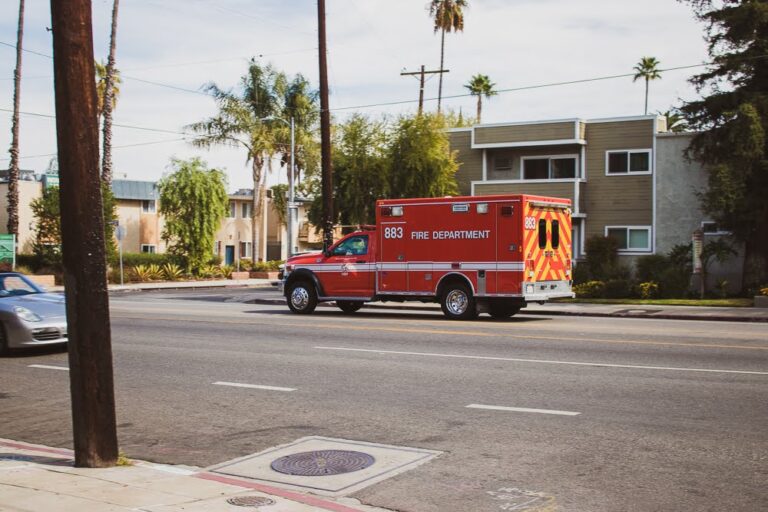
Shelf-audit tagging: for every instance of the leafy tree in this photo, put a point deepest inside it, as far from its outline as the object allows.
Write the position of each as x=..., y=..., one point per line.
x=246, y=119
x=13, y=166
x=732, y=122
x=361, y=170
x=193, y=199
x=481, y=85
x=455, y=119
x=448, y=16
x=280, y=202
x=421, y=161
x=647, y=69
x=300, y=102
x=47, y=211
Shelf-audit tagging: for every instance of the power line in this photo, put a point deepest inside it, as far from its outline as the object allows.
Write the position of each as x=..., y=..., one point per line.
x=132, y=127
x=148, y=143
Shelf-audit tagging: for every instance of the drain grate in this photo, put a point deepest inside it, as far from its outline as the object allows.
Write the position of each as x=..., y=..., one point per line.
x=322, y=463
x=250, y=501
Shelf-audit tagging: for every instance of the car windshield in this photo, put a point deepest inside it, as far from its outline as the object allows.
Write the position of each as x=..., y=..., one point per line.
x=13, y=285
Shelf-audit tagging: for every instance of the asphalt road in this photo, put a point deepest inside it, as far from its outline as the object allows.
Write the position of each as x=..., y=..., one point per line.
x=671, y=414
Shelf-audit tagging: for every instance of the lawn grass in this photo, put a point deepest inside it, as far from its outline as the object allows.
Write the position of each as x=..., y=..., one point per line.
x=727, y=303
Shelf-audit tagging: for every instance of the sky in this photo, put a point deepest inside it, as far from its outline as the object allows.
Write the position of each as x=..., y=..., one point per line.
x=180, y=45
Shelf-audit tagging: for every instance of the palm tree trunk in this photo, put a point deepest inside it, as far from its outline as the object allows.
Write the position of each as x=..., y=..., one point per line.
x=646, y=96
x=256, y=171
x=479, y=107
x=13, y=167
x=109, y=94
x=440, y=80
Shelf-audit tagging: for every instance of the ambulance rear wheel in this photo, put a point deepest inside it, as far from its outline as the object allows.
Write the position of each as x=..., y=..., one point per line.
x=349, y=306
x=502, y=309
x=302, y=298
x=458, y=303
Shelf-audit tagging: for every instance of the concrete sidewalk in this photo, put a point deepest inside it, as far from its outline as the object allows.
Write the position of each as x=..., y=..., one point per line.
x=38, y=478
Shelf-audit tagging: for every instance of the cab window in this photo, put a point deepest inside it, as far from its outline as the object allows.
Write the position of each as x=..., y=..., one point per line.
x=354, y=246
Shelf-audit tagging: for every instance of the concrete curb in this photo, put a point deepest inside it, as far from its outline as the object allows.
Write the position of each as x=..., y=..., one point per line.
x=550, y=312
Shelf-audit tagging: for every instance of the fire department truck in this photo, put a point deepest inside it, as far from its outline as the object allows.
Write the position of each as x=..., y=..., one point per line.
x=473, y=255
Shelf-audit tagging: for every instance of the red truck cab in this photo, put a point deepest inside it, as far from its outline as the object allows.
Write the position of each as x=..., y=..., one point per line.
x=472, y=254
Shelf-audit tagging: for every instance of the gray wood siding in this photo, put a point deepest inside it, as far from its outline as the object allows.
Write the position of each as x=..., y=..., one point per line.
x=525, y=133
x=561, y=190
x=470, y=161
x=617, y=199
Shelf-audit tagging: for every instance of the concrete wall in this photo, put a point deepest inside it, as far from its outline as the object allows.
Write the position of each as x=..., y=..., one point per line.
x=678, y=210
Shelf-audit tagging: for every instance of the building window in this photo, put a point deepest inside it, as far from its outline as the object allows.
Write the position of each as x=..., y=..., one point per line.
x=148, y=248
x=555, y=234
x=148, y=206
x=245, y=249
x=502, y=168
x=628, y=162
x=549, y=168
x=246, y=210
x=232, y=210
x=542, y=234
x=217, y=248
x=630, y=238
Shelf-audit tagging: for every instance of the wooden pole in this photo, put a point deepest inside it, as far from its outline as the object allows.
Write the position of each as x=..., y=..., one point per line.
x=325, y=132
x=82, y=234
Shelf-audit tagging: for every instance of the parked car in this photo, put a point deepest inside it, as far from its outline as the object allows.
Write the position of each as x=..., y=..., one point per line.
x=29, y=316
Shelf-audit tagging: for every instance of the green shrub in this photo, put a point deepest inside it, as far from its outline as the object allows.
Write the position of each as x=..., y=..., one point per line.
x=246, y=264
x=209, y=271
x=764, y=290
x=589, y=290
x=617, y=289
x=155, y=272
x=602, y=256
x=226, y=271
x=650, y=268
x=581, y=273
x=172, y=272
x=267, y=266
x=131, y=259
x=648, y=290
x=141, y=273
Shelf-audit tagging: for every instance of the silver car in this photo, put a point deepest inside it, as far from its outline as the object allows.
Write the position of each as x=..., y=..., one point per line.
x=29, y=317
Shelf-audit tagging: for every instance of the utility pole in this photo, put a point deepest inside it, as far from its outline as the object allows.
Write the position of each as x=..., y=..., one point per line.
x=325, y=132
x=82, y=236
x=422, y=74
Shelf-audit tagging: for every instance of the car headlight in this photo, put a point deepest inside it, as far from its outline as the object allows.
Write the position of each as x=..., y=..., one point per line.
x=26, y=314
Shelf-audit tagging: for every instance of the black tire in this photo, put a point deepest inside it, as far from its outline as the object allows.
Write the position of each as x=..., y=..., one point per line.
x=349, y=306
x=3, y=342
x=502, y=309
x=458, y=303
x=301, y=297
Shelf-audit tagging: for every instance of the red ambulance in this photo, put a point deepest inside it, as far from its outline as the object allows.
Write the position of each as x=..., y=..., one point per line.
x=472, y=254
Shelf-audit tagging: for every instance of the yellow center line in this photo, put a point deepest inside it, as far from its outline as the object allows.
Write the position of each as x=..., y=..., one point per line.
x=452, y=332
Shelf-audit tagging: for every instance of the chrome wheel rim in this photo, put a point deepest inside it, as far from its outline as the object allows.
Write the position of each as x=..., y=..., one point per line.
x=300, y=298
x=457, y=302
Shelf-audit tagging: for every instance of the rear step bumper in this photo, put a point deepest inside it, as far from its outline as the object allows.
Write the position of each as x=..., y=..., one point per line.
x=546, y=290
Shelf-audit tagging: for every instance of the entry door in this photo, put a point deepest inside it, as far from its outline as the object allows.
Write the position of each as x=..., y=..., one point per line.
x=349, y=271
x=393, y=271
x=229, y=255
x=509, y=266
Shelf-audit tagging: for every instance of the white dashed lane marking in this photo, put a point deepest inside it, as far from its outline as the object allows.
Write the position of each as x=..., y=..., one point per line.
x=522, y=409
x=252, y=386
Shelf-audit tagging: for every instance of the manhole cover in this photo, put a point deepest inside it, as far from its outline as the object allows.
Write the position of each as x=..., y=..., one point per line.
x=250, y=501
x=322, y=463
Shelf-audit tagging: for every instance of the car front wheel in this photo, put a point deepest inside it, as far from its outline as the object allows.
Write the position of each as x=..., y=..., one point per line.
x=302, y=298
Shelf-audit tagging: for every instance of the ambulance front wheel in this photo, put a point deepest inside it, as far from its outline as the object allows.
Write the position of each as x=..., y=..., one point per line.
x=458, y=303
x=302, y=298
x=349, y=306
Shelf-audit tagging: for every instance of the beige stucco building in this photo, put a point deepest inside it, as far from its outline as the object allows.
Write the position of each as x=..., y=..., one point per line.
x=28, y=192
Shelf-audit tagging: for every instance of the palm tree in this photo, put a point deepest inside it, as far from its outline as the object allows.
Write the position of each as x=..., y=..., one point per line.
x=449, y=17
x=647, y=68
x=101, y=79
x=481, y=85
x=13, y=166
x=243, y=121
x=108, y=102
x=675, y=121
